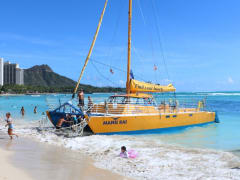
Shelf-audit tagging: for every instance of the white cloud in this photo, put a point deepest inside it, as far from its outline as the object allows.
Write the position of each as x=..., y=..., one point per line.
x=121, y=82
x=28, y=39
x=230, y=80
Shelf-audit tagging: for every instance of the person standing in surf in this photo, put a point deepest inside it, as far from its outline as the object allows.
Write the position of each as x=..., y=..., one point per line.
x=10, y=125
x=22, y=111
x=35, y=110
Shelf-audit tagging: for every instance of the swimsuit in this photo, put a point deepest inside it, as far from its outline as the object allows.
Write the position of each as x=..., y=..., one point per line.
x=81, y=102
x=10, y=125
x=123, y=154
x=57, y=127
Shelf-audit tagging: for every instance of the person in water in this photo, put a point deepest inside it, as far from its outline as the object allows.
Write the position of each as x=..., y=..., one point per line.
x=10, y=126
x=22, y=111
x=81, y=98
x=35, y=110
x=123, y=152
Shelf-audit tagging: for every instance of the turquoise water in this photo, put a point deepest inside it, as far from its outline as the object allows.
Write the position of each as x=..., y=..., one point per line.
x=222, y=136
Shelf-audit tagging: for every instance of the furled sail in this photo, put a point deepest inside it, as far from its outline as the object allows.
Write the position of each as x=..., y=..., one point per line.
x=138, y=86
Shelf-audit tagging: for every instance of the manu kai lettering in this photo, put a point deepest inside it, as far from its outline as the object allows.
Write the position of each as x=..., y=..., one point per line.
x=114, y=122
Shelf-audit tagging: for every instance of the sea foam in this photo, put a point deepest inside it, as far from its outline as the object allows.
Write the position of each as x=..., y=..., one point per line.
x=156, y=160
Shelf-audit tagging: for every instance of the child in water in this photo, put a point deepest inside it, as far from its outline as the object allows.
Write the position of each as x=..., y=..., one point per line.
x=123, y=152
x=10, y=125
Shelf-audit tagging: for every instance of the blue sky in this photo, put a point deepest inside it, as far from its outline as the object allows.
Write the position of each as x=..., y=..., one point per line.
x=200, y=40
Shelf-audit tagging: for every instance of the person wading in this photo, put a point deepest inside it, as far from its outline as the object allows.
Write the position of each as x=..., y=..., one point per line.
x=22, y=111
x=10, y=125
x=35, y=110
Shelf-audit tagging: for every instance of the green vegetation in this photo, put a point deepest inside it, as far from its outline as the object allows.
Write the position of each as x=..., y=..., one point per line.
x=42, y=79
x=22, y=89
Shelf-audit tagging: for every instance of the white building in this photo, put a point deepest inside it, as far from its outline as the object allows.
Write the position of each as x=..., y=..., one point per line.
x=1, y=71
x=11, y=73
x=19, y=76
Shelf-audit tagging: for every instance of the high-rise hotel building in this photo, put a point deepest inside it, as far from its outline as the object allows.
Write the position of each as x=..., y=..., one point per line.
x=10, y=73
x=1, y=71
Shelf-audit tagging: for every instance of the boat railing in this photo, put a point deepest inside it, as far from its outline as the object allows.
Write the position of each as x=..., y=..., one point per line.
x=177, y=106
x=99, y=106
x=54, y=102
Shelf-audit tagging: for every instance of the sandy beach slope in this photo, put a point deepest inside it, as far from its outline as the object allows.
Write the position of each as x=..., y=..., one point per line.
x=24, y=158
x=8, y=170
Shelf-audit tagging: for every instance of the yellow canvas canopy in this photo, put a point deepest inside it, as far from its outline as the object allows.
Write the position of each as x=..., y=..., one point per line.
x=138, y=86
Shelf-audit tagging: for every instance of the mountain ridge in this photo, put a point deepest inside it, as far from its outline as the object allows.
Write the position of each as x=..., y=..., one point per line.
x=43, y=79
x=43, y=75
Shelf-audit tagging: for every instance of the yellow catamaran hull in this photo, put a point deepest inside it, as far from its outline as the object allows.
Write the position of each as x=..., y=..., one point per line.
x=155, y=123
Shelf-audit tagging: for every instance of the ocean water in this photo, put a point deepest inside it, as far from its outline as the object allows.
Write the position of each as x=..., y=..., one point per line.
x=208, y=152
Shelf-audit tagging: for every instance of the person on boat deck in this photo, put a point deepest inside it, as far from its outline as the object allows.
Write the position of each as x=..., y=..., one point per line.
x=147, y=101
x=10, y=125
x=62, y=120
x=22, y=111
x=90, y=104
x=162, y=106
x=81, y=98
x=123, y=152
x=35, y=110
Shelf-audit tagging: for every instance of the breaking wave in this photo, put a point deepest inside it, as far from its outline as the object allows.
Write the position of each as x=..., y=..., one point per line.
x=223, y=94
x=156, y=160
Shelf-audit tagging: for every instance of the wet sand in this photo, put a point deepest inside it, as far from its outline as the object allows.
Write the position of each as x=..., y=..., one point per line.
x=28, y=159
x=8, y=171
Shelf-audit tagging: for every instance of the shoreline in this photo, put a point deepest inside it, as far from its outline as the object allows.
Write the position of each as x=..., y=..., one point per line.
x=29, y=94
x=29, y=159
x=59, y=158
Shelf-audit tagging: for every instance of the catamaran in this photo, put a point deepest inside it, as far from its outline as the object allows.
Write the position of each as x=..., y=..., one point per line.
x=136, y=111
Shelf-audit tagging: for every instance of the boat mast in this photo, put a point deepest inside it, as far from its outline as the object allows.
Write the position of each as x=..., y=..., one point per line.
x=129, y=46
x=91, y=48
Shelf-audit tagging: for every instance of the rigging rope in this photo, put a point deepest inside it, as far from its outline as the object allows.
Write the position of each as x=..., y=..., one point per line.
x=114, y=67
x=103, y=75
x=150, y=37
x=144, y=22
x=159, y=37
x=115, y=29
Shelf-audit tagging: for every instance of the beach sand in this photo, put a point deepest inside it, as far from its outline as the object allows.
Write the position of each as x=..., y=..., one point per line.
x=8, y=171
x=24, y=158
